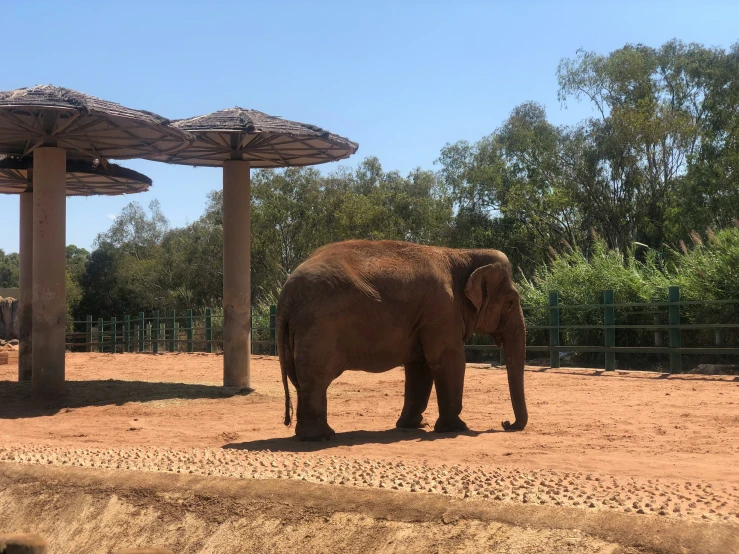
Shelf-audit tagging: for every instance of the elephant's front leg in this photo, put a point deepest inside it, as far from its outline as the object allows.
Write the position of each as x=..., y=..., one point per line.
x=418, y=383
x=312, y=422
x=447, y=368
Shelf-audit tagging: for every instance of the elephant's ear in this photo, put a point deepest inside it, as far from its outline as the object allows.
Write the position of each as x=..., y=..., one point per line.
x=486, y=281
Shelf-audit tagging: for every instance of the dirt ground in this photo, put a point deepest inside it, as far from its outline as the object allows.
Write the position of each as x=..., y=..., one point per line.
x=650, y=448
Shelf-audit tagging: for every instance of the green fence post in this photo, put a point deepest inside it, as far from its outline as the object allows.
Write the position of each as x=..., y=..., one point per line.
x=673, y=296
x=208, y=330
x=127, y=333
x=501, y=355
x=142, y=331
x=172, y=331
x=553, y=329
x=190, y=348
x=113, y=333
x=88, y=333
x=720, y=338
x=609, y=331
x=155, y=332
x=100, y=334
x=273, y=330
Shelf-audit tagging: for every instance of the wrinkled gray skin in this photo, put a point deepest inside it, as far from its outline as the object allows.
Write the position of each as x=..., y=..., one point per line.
x=375, y=305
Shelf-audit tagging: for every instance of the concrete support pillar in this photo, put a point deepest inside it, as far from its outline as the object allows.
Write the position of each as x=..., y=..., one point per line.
x=236, y=274
x=49, y=264
x=25, y=302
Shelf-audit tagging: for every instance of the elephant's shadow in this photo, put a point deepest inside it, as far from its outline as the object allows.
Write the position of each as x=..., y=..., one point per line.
x=351, y=438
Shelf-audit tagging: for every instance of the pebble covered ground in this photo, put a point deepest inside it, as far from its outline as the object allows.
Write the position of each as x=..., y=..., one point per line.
x=687, y=500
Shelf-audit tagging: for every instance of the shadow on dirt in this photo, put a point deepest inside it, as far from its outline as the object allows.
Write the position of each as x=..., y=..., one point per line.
x=16, y=400
x=351, y=438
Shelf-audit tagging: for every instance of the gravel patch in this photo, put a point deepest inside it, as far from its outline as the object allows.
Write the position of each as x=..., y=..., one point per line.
x=686, y=500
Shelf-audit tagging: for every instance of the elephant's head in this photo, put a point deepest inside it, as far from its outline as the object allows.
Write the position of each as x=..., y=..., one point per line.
x=491, y=290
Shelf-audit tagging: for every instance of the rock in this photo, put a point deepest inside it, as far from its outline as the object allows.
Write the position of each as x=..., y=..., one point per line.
x=21, y=543
x=9, y=318
x=715, y=369
x=15, y=320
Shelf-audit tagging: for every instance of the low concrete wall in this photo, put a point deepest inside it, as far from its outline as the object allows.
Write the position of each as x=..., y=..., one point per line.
x=12, y=293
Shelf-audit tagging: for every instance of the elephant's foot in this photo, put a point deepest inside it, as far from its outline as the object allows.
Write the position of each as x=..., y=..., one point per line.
x=450, y=425
x=314, y=432
x=411, y=422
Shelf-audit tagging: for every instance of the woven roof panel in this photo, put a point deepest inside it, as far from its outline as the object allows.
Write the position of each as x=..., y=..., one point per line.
x=86, y=126
x=263, y=140
x=83, y=178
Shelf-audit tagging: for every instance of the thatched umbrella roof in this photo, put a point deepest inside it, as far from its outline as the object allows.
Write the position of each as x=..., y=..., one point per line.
x=83, y=178
x=263, y=140
x=87, y=127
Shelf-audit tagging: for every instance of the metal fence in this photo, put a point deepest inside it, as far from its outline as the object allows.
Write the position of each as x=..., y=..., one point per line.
x=166, y=332
x=605, y=323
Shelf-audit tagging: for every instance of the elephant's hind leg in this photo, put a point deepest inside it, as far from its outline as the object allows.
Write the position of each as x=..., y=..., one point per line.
x=312, y=422
x=418, y=383
x=314, y=377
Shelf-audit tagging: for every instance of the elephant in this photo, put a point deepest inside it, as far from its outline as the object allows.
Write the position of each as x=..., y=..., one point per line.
x=376, y=305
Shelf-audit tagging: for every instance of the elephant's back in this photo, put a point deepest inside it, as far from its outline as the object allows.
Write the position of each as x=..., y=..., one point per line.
x=379, y=271
x=368, y=264
x=385, y=251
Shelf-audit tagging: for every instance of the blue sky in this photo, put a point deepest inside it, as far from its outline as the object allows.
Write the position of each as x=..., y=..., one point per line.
x=400, y=78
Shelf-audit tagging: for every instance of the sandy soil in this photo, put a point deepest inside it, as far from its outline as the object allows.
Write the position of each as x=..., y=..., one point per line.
x=640, y=445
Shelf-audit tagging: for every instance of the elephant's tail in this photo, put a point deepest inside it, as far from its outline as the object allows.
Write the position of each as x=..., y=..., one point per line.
x=287, y=363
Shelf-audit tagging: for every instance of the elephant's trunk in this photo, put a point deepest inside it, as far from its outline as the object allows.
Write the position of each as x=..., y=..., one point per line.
x=514, y=343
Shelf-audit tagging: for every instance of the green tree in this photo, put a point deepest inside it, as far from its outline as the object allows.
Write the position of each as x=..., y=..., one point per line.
x=135, y=232
x=9, y=264
x=126, y=272
x=77, y=260
x=655, y=111
x=512, y=189
x=712, y=183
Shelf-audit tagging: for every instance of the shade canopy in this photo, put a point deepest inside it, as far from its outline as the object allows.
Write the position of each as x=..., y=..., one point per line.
x=83, y=178
x=238, y=140
x=87, y=127
x=263, y=140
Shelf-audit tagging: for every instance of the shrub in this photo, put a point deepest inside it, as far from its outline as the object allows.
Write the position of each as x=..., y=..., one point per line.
x=707, y=270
